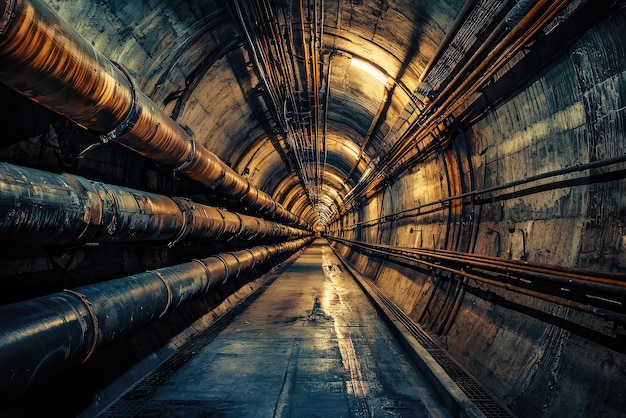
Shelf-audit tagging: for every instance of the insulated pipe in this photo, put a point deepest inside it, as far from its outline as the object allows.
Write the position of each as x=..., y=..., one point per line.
x=41, y=337
x=59, y=209
x=49, y=62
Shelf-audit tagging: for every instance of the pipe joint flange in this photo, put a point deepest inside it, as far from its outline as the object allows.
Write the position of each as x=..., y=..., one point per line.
x=133, y=114
x=7, y=16
x=206, y=270
x=186, y=207
x=94, y=322
x=188, y=160
x=167, y=287
x=239, y=232
x=226, y=269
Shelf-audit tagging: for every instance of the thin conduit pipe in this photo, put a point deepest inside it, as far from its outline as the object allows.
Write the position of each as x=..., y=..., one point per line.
x=58, y=209
x=47, y=335
x=609, y=283
x=479, y=193
x=528, y=27
x=49, y=62
x=601, y=312
x=540, y=15
x=467, y=8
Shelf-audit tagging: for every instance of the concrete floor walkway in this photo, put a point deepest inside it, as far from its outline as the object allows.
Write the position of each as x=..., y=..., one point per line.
x=276, y=359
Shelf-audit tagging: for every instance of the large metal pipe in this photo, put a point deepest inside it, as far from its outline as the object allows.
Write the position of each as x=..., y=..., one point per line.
x=49, y=62
x=41, y=337
x=59, y=209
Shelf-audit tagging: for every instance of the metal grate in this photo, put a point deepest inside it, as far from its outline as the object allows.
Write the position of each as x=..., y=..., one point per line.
x=470, y=386
x=484, y=401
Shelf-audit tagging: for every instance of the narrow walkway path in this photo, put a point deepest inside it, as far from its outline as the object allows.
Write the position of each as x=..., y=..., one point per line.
x=282, y=357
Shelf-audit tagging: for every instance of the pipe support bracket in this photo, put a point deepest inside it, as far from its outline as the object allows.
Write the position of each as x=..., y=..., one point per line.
x=7, y=16
x=133, y=114
x=94, y=321
x=167, y=288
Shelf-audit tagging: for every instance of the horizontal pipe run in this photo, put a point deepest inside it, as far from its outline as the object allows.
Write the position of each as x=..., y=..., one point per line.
x=490, y=193
x=598, y=294
x=41, y=337
x=56, y=209
x=49, y=62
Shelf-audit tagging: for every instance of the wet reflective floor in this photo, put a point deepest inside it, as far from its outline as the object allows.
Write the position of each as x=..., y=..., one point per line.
x=311, y=345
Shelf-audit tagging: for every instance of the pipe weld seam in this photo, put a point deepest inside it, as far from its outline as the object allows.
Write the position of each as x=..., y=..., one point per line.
x=94, y=321
x=7, y=16
x=240, y=230
x=238, y=265
x=189, y=159
x=185, y=205
x=253, y=258
x=133, y=114
x=208, y=273
x=226, y=269
x=181, y=233
x=167, y=287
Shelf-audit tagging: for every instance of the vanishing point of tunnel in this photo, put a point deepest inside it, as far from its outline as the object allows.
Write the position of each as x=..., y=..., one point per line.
x=313, y=208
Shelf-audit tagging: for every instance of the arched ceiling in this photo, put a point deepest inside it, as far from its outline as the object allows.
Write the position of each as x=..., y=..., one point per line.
x=335, y=77
x=297, y=96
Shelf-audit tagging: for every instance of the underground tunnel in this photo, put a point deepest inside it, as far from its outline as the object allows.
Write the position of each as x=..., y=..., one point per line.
x=382, y=208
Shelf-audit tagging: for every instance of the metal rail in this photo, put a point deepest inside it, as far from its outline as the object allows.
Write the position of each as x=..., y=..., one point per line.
x=598, y=293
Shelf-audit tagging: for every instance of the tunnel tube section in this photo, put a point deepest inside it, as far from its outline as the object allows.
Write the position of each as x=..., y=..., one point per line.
x=57, y=209
x=49, y=334
x=76, y=81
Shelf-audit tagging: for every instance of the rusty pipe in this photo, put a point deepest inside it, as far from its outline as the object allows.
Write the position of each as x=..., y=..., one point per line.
x=63, y=208
x=455, y=94
x=44, y=59
x=49, y=62
x=588, y=307
x=46, y=335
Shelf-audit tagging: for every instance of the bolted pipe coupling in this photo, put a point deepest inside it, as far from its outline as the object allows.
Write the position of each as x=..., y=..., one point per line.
x=133, y=114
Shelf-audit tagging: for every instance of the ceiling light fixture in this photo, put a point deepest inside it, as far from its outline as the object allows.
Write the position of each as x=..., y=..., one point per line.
x=370, y=69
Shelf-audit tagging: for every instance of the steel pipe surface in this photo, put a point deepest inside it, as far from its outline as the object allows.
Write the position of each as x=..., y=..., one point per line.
x=60, y=209
x=41, y=337
x=49, y=62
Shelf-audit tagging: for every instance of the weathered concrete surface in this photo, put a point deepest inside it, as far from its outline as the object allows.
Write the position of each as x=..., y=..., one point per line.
x=539, y=358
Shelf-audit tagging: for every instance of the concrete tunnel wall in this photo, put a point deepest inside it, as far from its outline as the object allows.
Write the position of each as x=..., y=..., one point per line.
x=525, y=351
x=538, y=358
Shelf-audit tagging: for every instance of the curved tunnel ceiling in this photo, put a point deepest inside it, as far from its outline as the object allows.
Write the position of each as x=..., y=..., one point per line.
x=330, y=91
x=338, y=75
x=275, y=87
x=465, y=130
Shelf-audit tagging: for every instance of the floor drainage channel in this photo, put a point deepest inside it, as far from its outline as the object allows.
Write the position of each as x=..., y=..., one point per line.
x=138, y=398
x=483, y=400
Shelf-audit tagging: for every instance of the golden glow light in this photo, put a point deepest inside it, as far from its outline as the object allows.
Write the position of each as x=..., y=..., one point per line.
x=351, y=151
x=370, y=69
